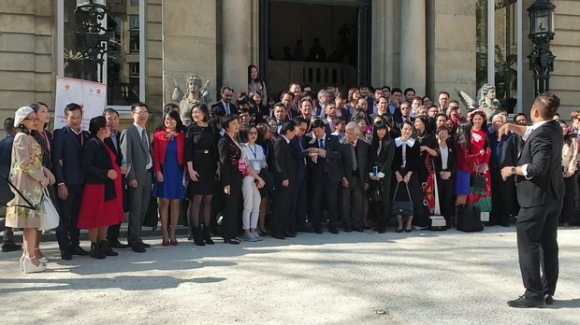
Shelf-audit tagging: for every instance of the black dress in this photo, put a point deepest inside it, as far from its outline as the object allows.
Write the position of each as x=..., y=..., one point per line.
x=201, y=149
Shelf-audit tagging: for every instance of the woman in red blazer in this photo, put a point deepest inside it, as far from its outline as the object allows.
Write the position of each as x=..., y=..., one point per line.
x=168, y=163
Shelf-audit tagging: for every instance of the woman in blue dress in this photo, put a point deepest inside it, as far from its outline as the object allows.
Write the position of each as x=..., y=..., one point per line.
x=168, y=163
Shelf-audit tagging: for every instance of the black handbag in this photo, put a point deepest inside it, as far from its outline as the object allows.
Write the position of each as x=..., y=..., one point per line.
x=402, y=208
x=478, y=182
x=469, y=219
x=375, y=193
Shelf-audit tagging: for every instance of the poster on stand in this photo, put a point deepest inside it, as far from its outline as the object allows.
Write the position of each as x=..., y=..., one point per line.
x=91, y=96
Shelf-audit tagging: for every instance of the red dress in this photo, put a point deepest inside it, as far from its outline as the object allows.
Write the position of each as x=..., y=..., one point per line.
x=95, y=211
x=481, y=199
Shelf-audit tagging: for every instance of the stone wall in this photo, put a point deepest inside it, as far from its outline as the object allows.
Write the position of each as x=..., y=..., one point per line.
x=27, y=61
x=565, y=81
x=154, y=55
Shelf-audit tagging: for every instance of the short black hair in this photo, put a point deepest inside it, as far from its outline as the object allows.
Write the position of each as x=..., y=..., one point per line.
x=9, y=125
x=110, y=110
x=226, y=120
x=299, y=120
x=520, y=114
x=224, y=88
x=204, y=110
x=408, y=90
x=174, y=115
x=139, y=104
x=316, y=124
x=548, y=104
x=287, y=126
x=71, y=108
x=279, y=104
x=396, y=90
x=97, y=123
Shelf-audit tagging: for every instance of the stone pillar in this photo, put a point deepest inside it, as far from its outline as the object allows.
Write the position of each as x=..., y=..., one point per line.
x=236, y=43
x=413, y=45
x=189, y=43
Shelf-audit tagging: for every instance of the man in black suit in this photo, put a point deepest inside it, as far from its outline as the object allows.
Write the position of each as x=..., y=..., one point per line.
x=283, y=224
x=67, y=156
x=324, y=175
x=225, y=104
x=300, y=152
x=355, y=177
x=540, y=190
x=8, y=244
x=112, y=117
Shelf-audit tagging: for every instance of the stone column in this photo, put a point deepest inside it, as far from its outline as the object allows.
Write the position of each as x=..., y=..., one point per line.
x=413, y=45
x=236, y=43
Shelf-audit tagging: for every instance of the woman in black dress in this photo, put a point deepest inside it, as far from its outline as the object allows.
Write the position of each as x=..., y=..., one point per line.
x=405, y=165
x=203, y=168
x=381, y=156
x=232, y=177
x=426, y=172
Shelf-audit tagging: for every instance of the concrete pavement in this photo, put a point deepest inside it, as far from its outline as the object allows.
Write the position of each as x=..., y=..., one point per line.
x=419, y=278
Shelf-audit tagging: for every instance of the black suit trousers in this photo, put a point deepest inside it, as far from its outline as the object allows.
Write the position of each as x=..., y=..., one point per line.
x=324, y=194
x=502, y=199
x=446, y=201
x=299, y=205
x=570, y=199
x=537, y=229
x=283, y=219
x=231, y=211
x=67, y=233
x=352, y=204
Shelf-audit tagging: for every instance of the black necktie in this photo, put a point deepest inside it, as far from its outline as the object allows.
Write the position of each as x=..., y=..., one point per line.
x=320, y=144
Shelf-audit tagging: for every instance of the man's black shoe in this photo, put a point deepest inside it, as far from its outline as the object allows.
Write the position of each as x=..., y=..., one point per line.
x=77, y=250
x=347, y=229
x=333, y=230
x=138, y=248
x=277, y=235
x=145, y=245
x=523, y=302
x=10, y=246
x=115, y=243
x=65, y=256
x=307, y=229
x=359, y=229
x=318, y=230
x=549, y=300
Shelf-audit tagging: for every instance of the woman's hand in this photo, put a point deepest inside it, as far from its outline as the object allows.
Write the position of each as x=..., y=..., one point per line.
x=261, y=183
x=407, y=178
x=112, y=174
x=193, y=175
x=399, y=177
x=44, y=182
x=49, y=175
x=227, y=190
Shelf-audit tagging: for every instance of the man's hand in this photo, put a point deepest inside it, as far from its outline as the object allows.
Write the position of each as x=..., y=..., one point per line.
x=133, y=183
x=345, y=182
x=227, y=190
x=366, y=186
x=285, y=183
x=506, y=172
x=63, y=192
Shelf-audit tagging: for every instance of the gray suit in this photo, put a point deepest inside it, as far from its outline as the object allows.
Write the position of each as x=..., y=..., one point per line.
x=136, y=154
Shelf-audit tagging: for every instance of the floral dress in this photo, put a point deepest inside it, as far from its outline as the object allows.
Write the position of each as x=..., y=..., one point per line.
x=481, y=198
x=26, y=173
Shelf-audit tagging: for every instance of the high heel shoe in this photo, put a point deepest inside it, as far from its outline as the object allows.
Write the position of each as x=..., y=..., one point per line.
x=173, y=242
x=165, y=243
x=29, y=267
x=106, y=248
x=206, y=235
x=21, y=261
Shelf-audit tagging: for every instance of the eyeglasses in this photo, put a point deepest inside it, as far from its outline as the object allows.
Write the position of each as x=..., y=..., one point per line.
x=253, y=133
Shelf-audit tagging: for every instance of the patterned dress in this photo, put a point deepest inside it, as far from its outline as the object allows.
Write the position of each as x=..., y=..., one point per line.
x=26, y=174
x=481, y=198
x=45, y=143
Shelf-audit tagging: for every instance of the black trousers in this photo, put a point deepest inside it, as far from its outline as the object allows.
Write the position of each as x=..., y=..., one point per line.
x=299, y=205
x=537, y=229
x=446, y=192
x=324, y=191
x=67, y=233
x=570, y=199
x=502, y=199
x=283, y=219
x=231, y=212
x=352, y=204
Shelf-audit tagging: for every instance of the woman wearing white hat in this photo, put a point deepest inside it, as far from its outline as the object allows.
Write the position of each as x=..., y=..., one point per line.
x=29, y=177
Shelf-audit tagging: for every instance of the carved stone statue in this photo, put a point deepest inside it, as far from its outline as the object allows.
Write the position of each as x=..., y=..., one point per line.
x=487, y=101
x=195, y=94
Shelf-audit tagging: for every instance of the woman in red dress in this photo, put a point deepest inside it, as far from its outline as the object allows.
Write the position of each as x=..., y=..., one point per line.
x=480, y=197
x=102, y=204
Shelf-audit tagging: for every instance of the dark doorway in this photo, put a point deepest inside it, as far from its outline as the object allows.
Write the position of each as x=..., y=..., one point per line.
x=316, y=42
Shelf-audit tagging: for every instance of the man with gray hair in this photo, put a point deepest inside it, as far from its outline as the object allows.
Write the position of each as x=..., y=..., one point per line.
x=320, y=106
x=355, y=177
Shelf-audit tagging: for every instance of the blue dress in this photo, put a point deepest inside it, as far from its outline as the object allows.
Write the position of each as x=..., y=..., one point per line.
x=172, y=186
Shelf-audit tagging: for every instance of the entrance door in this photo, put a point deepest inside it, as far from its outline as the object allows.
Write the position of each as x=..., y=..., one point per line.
x=319, y=43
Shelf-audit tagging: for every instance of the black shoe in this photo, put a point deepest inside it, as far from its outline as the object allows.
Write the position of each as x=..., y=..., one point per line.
x=549, y=300
x=197, y=239
x=333, y=230
x=106, y=248
x=145, y=245
x=115, y=243
x=97, y=252
x=138, y=248
x=347, y=229
x=79, y=251
x=359, y=229
x=232, y=241
x=65, y=256
x=290, y=234
x=318, y=229
x=10, y=246
x=206, y=235
x=277, y=235
x=523, y=302
x=381, y=230
x=399, y=230
x=307, y=229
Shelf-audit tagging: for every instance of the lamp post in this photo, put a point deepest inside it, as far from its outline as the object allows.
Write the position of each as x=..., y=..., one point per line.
x=541, y=14
x=92, y=36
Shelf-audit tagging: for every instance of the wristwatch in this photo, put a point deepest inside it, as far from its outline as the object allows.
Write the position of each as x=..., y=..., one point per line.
x=514, y=170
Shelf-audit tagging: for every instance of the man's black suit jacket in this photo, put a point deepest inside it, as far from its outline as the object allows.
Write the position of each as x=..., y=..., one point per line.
x=233, y=108
x=330, y=164
x=542, y=151
x=116, y=150
x=67, y=156
x=284, y=163
x=363, y=157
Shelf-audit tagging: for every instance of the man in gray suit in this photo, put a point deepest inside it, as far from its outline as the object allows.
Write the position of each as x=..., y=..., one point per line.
x=136, y=148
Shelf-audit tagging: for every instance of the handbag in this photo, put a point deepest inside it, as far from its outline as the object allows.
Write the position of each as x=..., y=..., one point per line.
x=402, y=208
x=469, y=219
x=49, y=218
x=375, y=193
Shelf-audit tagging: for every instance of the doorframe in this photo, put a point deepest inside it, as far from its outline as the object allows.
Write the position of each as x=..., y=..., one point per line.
x=364, y=36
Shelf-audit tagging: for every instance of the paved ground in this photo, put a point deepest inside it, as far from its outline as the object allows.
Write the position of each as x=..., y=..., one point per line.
x=421, y=278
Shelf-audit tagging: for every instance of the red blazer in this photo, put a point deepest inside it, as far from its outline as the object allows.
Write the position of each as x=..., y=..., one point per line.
x=160, y=143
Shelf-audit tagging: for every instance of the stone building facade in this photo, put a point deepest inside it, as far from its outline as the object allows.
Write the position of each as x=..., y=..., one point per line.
x=430, y=45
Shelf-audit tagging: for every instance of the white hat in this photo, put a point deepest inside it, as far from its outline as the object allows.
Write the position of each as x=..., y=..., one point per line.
x=21, y=114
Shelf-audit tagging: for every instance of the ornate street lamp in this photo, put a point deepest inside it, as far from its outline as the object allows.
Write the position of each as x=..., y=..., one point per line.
x=92, y=36
x=541, y=14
